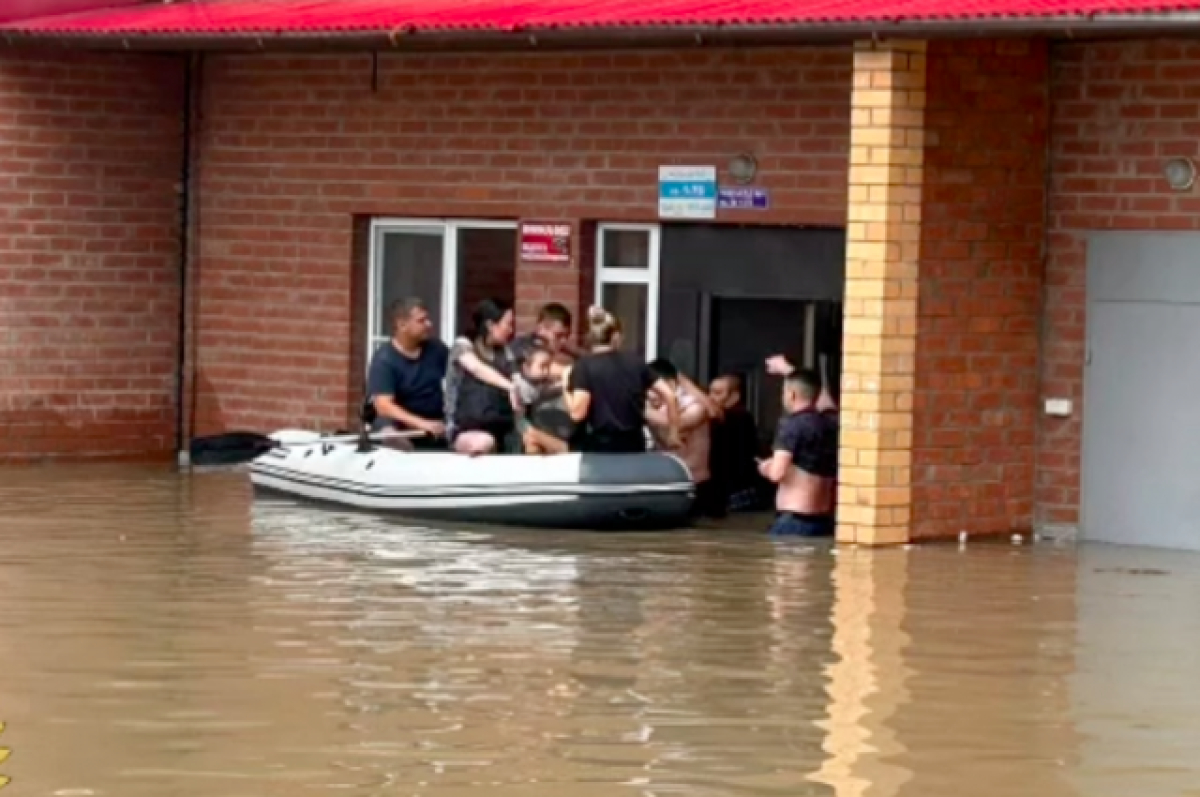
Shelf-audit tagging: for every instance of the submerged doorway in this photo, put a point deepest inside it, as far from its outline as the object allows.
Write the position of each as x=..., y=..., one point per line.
x=743, y=331
x=733, y=296
x=451, y=265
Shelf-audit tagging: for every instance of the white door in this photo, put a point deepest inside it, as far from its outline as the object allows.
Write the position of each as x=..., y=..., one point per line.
x=1141, y=413
x=627, y=258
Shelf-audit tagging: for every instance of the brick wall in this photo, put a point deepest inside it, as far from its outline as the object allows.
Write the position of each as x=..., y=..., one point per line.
x=1121, y=109
x=983, y=222
x=89, y=158
x=293, y=147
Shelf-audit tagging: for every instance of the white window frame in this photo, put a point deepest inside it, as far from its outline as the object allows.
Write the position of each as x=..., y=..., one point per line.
x=648, y=276
x=448, y=229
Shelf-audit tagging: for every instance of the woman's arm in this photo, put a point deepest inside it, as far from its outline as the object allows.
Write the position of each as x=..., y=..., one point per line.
x=578, y=400
x=485, y=373
x=578, y=403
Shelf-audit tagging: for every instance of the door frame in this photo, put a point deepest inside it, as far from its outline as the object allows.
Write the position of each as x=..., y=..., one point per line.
x=448, y=228
x=649, y=276
x=704, y=339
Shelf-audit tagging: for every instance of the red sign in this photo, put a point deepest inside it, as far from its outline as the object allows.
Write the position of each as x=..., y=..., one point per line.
x=545, y=243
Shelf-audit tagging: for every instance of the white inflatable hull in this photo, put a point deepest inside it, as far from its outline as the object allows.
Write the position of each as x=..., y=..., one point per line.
x=595, y=491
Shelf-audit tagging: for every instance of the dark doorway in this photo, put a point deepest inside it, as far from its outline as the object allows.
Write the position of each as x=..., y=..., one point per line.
x=732, y=296
x=740, y=330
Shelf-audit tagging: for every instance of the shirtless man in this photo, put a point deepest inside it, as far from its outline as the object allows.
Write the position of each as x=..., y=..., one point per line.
x=695, y=416
x=804, y=461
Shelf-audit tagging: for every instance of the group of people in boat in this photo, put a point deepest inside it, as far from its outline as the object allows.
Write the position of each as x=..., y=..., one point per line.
x=493, y=392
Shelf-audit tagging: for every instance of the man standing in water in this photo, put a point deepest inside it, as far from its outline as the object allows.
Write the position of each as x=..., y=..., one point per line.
x=735, y=448
x=804, y=461
x=405, y=381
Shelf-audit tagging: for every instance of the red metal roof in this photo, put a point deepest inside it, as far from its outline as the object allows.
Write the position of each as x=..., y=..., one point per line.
x=28, y=9
x=299, y=17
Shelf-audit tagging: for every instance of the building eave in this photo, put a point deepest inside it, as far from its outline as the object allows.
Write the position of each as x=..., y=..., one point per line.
x=1059, y=27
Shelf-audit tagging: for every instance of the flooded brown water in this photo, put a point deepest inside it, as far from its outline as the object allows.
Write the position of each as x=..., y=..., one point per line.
x=164, y=635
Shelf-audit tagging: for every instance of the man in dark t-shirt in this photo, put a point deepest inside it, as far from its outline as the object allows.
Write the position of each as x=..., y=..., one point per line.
x=734, y=459
x=405, y=381
x=803, y=461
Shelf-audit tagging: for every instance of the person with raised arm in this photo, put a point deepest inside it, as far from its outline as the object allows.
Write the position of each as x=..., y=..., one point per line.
x=803, y=462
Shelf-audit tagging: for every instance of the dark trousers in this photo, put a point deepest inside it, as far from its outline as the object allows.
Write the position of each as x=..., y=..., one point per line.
x=592, y=442
x=710, y=500
x=794, y=524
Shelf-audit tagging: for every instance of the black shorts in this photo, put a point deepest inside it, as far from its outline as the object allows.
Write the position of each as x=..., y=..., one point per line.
x=710, y=500
x=633, y=442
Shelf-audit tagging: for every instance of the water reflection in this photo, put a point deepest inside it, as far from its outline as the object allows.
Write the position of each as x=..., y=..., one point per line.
x=173, y=635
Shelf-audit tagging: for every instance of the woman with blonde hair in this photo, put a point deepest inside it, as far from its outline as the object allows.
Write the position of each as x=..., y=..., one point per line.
x=606, y=393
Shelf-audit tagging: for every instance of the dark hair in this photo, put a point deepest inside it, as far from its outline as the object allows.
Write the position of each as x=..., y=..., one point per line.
x=535, y=347
x=555, y=312
x=664, y=369
x=736, y=380
x=487, y=314
x=401, y=309
x=806, y=382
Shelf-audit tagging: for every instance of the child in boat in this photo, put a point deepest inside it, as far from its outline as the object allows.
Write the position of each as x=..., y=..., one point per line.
x=542, y=419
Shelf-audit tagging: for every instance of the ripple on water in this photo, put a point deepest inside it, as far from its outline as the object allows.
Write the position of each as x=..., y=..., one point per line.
x=171, y=635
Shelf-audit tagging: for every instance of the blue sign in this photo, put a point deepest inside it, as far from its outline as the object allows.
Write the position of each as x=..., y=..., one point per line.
x=687, y=192
x=743, y=199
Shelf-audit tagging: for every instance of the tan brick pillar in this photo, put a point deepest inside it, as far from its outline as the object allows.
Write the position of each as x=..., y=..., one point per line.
x=882, y=253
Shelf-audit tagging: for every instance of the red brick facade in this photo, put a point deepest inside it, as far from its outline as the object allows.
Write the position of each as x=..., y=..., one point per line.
x=983, y=224
x=295, y=148
x=89, y=161
x=298, y=152
x=1120, y=110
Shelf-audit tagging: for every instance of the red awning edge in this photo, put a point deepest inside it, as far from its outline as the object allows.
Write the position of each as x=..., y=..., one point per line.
x=392, y=21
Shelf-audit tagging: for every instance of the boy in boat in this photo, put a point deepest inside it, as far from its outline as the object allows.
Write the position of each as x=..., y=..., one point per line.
x=543, y=421
x=804, y=461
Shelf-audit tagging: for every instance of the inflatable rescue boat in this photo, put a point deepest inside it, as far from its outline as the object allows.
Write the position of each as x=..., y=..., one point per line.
x=587, y=491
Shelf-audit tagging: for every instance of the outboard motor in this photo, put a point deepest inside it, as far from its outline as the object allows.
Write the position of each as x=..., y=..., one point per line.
x=367, y=416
